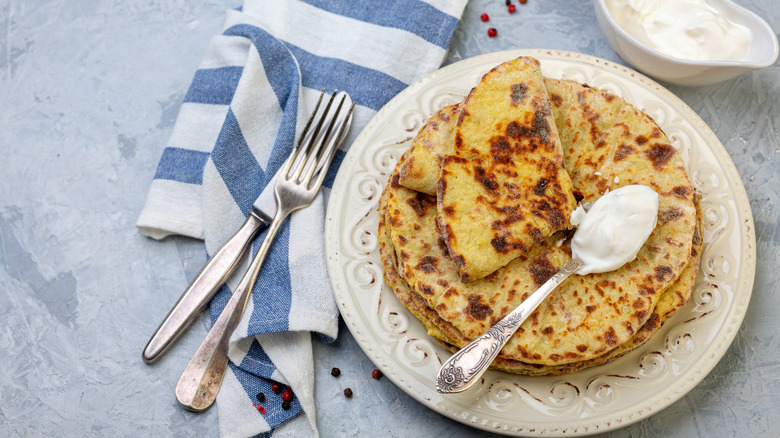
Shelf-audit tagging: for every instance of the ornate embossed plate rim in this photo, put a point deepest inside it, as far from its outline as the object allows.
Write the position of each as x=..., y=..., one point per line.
x=716, y=333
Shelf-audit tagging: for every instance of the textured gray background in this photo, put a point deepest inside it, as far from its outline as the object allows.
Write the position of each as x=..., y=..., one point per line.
x=89, y=92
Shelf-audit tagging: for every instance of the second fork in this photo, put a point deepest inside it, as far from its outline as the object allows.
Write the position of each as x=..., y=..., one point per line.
x=296, y=187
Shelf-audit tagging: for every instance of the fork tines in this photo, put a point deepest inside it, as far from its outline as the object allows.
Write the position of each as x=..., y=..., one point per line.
x=306, y=159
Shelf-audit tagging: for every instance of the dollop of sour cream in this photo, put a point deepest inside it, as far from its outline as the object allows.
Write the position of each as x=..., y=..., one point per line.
x=614, y=228
x=684, y=29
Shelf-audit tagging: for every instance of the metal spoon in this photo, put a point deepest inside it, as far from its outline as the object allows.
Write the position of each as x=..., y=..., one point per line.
x=465, y=367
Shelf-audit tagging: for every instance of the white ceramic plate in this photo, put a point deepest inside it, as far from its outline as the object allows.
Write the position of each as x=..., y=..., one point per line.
x=594, y=400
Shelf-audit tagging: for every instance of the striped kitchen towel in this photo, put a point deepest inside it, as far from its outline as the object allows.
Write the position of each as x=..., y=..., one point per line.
x=253, y=91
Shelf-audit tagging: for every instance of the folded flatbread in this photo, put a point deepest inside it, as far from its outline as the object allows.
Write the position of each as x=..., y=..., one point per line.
x=504, y=188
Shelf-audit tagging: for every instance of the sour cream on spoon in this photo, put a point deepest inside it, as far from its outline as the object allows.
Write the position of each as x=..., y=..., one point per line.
x=614, y=229
x=609, y=235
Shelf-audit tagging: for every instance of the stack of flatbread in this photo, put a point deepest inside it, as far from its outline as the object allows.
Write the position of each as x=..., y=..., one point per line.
x=476, y=216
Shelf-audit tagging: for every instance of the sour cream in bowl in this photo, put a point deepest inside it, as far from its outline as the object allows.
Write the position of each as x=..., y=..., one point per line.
x=687, y=42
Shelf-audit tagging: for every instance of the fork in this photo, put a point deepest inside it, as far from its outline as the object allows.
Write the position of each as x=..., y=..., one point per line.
x=296, y=187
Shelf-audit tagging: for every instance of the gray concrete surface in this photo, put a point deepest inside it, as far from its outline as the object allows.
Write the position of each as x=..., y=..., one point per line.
x=89, y=92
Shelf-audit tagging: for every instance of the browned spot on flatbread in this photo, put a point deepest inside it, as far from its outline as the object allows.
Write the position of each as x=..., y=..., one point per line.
x=534, y=232
x=421, y=202
x=651, y=324
x=515, y=130
x=542, y=128
x=541, y=270
x=394, y=181
x=518, y=93
x=458, y=140
x=428, y=264
x=590, y=114
x=660, y=154
x=540, y=186
x=487, y=181
x=623, y=151
x=548, y=330
x=663, y=271
x=500, y=244
x=476, y=310
x=669, y=215
x=610, y=337
x=556, y=99
x=443, y=247
x=681, y=192
x=500, y=150
x=511, y=214
x=459, y=261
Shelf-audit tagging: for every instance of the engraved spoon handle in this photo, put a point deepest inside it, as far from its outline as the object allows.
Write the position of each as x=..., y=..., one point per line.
x=465, y=367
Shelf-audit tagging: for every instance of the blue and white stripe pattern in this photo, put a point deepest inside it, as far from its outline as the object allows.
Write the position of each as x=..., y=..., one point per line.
x=252, y=93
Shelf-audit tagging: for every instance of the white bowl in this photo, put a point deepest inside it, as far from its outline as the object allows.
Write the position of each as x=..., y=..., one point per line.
x=763, y=50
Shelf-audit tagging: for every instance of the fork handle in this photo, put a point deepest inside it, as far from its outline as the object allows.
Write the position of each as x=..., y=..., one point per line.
x=200, y=382
x=203, y=287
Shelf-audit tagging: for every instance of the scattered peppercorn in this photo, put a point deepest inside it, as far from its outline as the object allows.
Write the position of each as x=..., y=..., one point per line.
x=277, y=388
x=348, y=393
x=285, y=405
x=376, y=374
x=508, y=2
x=287, y=396
x=260, y=397
x=511, y=9
x=484, y=17
x=492, y=32
x=335, y=372
x=522, y=2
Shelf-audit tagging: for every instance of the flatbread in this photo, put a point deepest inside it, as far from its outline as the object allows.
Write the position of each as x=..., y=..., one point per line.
x=676, y=296
x=504, y=188
x=435, y=139
x=448, y=336
x=587, y=316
